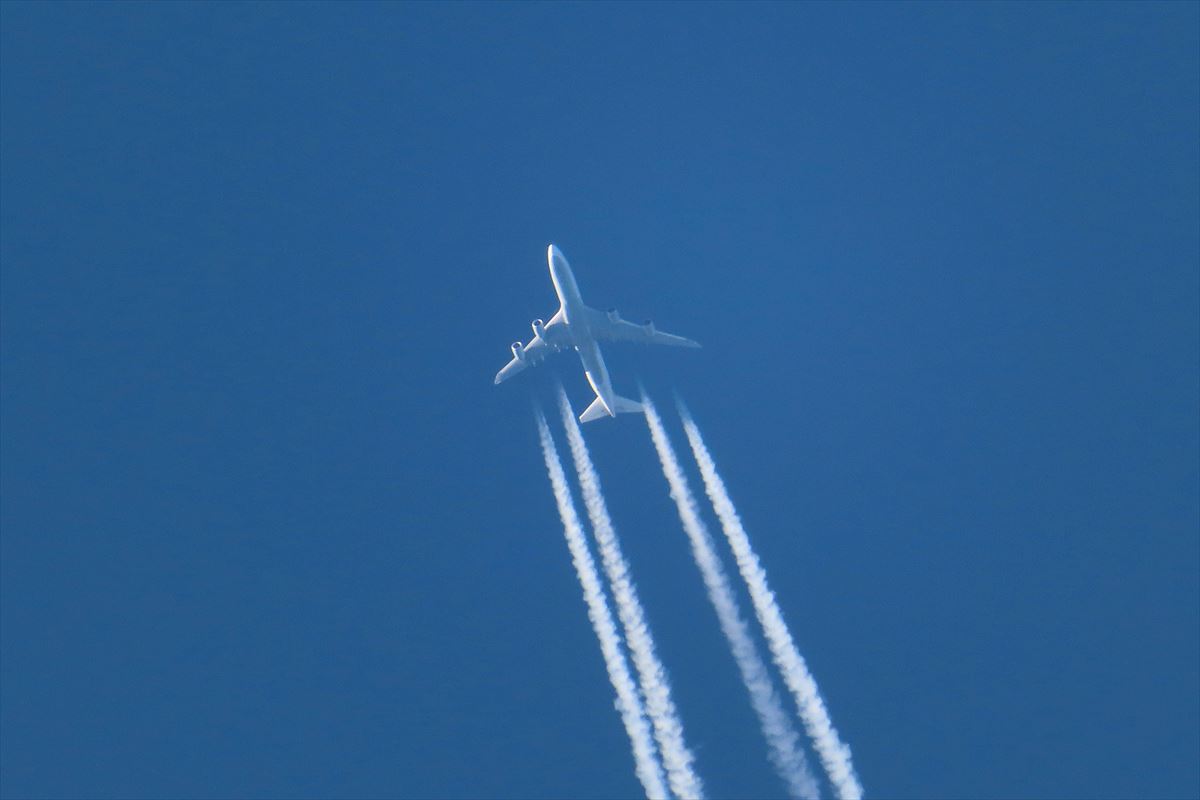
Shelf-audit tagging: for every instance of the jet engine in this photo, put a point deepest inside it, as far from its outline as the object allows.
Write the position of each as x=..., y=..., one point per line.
x=518, y=351
x=649, y=326
x=539, y=329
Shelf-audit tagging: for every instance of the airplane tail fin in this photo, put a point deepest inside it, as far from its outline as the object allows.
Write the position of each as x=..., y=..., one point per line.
x=621, y=405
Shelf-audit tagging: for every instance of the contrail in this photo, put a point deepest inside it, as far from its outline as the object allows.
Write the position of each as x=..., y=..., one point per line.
x=782, y=737
x=648, y=770
x=668, y=730
x=834, y=755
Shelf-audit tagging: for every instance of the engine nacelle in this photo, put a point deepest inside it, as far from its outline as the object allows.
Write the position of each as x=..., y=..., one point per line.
x=518, y=351
x=539, y=329
x=613, y=316
x=649, y=326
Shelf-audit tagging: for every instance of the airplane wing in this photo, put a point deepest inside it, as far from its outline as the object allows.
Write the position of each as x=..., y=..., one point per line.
x=534, y=353
x=609, y=326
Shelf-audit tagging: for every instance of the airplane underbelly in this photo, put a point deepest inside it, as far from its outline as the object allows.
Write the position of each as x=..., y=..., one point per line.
x=593, y=367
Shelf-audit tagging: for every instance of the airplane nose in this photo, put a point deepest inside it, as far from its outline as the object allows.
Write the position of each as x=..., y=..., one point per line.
x=552, y=252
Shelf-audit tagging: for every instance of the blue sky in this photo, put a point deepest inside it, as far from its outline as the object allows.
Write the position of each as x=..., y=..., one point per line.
x=269, y=530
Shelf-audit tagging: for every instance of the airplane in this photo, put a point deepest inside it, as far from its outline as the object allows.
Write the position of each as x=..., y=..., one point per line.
x=578, y=326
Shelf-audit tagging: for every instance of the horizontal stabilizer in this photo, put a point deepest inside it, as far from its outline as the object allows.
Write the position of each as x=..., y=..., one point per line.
x=595, y=411
x=622, y=405
x=627, y=406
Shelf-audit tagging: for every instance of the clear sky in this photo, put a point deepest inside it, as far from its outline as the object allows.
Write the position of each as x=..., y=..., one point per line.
x=268, y=529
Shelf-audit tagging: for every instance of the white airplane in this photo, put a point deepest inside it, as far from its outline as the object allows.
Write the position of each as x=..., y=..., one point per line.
x=579, y=326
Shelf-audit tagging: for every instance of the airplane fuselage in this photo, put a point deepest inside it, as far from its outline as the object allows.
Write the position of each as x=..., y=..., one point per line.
x=581, y=337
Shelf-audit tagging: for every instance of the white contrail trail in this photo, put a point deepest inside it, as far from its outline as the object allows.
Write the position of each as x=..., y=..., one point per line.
x=782, y=737
x=668, y=730
x=834, y=755
x=648, y=770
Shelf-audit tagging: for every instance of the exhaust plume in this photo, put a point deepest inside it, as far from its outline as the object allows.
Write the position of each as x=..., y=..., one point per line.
x=834, y=755
x=782, y=737
x=656, y=689
x=628, y=703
